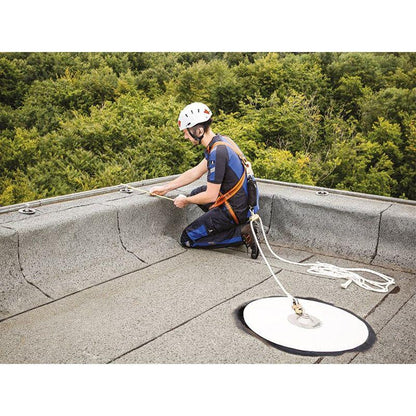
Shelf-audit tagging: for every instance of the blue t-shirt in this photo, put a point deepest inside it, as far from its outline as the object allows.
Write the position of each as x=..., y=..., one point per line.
x=225, y=168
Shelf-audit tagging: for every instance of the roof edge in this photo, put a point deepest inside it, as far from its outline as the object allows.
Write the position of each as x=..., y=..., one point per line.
x=79, y=195
x=109, y=189
x=340, y=192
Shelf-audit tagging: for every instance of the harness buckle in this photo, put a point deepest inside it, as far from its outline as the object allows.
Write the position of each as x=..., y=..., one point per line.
x=253, y=216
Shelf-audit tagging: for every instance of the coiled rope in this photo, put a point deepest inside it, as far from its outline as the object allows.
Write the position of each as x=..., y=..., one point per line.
x=326, y=269
x=318, y=269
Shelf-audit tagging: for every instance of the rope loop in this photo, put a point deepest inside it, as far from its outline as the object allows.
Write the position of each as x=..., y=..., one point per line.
x=330, y=270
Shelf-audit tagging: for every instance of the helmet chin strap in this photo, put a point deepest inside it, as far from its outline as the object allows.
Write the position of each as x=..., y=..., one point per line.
x=195, y=137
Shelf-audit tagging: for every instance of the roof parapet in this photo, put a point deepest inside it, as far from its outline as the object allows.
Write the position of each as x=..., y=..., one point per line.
x=81, y=240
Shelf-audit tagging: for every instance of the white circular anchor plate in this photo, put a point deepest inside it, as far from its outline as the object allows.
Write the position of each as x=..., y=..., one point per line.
x=338, y=331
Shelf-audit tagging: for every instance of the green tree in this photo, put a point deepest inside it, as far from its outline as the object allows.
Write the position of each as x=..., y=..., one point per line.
x=76, y=121
x=281, y=165
x=362, y=166
x=294, y=125
x=213, y=83
x=406, y=172
x=390, y=103
x=12, y=85
x=262, y=77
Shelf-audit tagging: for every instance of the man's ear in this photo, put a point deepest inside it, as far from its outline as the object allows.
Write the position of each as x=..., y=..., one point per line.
x=200, y=131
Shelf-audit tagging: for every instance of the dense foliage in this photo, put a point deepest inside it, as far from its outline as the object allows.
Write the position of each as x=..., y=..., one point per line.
x=77, y=121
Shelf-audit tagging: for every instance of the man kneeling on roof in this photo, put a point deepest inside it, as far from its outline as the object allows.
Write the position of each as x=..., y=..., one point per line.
x=230, y=196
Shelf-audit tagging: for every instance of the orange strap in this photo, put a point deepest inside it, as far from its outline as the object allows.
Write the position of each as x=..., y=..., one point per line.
x=231, y=211
x=223, y=198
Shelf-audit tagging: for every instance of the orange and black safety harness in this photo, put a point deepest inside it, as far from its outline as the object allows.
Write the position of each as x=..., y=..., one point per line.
x=223, y=198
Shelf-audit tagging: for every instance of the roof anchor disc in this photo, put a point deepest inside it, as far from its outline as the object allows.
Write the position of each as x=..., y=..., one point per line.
x=304, y=321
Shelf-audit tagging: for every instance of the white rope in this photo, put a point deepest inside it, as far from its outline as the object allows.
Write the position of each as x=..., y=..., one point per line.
x=318, y=269
x=148, y=192
x=329, y=270
x=267, y=263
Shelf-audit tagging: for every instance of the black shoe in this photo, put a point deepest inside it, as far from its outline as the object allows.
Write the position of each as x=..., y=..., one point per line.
x=249, y=240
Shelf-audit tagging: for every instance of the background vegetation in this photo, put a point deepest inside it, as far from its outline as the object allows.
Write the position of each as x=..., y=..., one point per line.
x=76, y=121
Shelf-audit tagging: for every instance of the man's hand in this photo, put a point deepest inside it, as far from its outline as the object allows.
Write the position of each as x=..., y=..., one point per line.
x=181, y=201
x=159, y=190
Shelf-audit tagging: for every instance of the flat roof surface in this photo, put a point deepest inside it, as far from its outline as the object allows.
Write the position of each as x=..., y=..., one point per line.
x=181, y=305
x=183, y=310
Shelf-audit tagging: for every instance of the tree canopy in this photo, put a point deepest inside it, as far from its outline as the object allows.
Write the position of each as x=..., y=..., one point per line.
x=77, y=121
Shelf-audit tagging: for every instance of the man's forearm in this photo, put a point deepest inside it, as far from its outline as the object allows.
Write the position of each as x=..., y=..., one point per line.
x=201, y=198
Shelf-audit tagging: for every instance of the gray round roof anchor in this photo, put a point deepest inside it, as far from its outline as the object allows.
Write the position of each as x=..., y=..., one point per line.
x=126, y=190
x=320, y=193
x=27, y=210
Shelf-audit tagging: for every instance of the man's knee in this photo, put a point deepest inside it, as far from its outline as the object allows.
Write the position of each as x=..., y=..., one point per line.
x=198, y=190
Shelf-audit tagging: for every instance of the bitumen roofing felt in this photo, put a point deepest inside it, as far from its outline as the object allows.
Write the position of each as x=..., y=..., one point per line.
x=169, y=304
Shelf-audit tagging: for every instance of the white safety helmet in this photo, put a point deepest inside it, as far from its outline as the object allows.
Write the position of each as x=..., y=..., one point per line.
x=193, y=114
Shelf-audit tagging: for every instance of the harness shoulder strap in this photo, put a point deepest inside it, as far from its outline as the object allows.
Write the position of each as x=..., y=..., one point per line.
x=234, y=147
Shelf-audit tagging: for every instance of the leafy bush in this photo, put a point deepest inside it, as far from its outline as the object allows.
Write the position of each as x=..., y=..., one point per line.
x=78, y=121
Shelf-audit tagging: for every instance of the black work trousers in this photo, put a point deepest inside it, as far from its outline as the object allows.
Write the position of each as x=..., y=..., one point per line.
x=214, y=229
